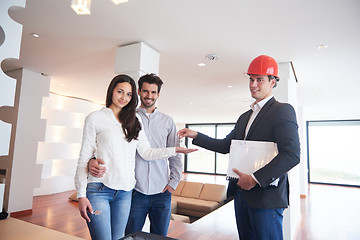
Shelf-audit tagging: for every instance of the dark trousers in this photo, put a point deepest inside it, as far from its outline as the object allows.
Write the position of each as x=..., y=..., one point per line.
x=257, y=223
x=158, y=206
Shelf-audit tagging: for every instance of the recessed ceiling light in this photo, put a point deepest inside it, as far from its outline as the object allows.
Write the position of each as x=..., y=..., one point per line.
x=212, y=57
x=230, y=86
x=190, y=103
x=323, y=46
x=62, y=84
x=81, y=7
x=35, y=35
x=119, y=1
x=201, y=64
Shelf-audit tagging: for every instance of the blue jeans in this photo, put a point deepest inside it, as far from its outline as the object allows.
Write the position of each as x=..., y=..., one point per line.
x=111, y=211
x=158, y=206
x=257, y=223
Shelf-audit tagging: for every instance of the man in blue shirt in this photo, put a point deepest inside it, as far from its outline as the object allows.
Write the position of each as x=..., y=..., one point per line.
x=156, y=180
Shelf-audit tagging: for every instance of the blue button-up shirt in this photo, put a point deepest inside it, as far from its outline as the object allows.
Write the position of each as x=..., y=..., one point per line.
x=153, y=176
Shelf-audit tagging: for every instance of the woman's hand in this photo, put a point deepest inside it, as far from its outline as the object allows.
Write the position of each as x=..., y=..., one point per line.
x=85, y=208
x=184, y=150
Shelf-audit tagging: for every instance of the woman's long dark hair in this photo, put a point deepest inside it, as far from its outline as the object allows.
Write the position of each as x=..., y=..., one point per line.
x=130, y=124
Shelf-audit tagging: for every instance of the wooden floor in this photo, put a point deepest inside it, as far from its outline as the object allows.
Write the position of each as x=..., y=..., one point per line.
x=58, y=213
x=329, y=212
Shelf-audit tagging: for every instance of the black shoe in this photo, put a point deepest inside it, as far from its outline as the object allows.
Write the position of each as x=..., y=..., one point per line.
x=3, y=215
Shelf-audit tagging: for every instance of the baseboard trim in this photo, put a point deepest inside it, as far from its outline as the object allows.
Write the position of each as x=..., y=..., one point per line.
x=20, y=213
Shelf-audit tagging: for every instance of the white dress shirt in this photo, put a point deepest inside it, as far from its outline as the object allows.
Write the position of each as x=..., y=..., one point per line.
x=256, y=107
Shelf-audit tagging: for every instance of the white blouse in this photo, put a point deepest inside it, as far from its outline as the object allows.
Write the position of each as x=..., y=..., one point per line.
x=103, y=137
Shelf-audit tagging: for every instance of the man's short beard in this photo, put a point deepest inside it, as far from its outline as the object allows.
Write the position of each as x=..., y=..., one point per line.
x=148, y=106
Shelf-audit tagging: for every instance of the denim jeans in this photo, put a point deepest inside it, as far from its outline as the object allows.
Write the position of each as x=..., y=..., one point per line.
x=257, y=223
x=158, y=206
x=111, y=211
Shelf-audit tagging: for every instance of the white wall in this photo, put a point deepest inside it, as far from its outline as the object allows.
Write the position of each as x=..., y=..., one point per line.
x=45, y=142
x=28, y=130
x=59, y=152
x=321, y=112
x=9, y=48
x=10, y=39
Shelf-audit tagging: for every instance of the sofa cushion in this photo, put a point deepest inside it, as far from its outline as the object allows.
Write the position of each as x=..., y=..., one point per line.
x=179, y=188
x=196, y=205
x=191, y=189
x=180, y=218
x=213, y=192
x=174, y=198
x=182, y=200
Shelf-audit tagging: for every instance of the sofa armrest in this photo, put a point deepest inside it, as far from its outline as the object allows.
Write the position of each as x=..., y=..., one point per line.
x=179, y=188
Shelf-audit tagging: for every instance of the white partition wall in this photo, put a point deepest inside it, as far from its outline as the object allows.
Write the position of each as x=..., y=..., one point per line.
x=59, y=151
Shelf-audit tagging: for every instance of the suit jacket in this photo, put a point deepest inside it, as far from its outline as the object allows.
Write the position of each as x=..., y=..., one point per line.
x=276, y=122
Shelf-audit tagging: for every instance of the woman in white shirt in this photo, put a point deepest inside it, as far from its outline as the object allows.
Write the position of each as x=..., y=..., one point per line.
x=113, y=134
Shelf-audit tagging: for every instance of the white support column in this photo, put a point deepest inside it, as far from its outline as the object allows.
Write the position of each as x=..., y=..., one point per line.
x=136, y=60
x=10, y=40
x=28, y=129
x=286, y=92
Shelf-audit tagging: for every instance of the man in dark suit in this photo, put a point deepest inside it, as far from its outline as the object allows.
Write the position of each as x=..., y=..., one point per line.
x=260, y=198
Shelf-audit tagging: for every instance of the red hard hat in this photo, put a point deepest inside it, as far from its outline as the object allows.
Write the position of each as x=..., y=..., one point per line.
x=263, y=65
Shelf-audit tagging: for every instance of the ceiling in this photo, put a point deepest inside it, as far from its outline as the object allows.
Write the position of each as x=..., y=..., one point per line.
x=78, y=52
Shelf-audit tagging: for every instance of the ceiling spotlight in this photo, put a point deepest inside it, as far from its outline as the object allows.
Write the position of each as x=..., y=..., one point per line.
x=230, y=86
x=201, y=64
x=323, y=46
x=212, y=57
x=119, y=1
x=81, y=7
x=35, y=35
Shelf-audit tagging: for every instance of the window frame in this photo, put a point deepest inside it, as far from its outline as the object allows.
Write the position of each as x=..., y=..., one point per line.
x=216, y=125
x=308, y=123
